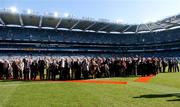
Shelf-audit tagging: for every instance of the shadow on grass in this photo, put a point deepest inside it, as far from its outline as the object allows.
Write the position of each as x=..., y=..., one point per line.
x=177, y=95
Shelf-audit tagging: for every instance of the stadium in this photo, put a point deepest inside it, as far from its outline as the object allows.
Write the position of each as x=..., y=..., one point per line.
x=49, y=34
x=64, y=61
x=30, y=33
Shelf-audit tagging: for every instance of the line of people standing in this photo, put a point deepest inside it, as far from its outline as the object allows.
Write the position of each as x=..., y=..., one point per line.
x=83, y=68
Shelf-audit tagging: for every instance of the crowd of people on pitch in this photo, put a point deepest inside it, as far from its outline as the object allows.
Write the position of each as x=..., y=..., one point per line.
x=51, y=68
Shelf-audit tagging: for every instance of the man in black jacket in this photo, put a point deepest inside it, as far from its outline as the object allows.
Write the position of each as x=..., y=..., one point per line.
x=67, y=69
x=15, y=70
x=41, y=67
x=77, y=65
x=34, y=70
x=164, y=65
x=26, y=69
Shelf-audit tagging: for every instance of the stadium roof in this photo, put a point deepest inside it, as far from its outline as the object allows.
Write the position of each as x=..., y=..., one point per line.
x=53, y=21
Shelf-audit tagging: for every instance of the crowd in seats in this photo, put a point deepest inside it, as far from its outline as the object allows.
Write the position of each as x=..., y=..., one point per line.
x=66, y=68
x=88, y=37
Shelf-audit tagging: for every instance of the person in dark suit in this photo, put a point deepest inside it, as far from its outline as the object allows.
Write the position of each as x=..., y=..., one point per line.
x=111, y=68
x=117, y=68
x=34, y=70
x=77, y=65
x=41, y=67
x=164, y=65
x=15, y=70
x=26, y=69
x=176, y=67
x=67, y=69
x=53, y=70
x=170, y=65
x=149, y=67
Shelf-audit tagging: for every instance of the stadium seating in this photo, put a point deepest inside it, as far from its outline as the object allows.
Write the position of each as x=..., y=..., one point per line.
x=89, y=42
x=87, y=37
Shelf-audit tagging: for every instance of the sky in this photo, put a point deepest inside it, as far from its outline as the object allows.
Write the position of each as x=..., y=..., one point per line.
x=127, y=11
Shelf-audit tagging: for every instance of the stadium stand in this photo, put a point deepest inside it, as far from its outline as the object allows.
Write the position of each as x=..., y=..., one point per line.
x=20, y=38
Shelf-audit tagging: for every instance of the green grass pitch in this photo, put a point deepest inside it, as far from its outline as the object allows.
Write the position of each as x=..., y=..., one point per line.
x=162, y=90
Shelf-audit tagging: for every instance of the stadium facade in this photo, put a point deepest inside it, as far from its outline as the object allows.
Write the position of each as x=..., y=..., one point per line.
x=28, y=33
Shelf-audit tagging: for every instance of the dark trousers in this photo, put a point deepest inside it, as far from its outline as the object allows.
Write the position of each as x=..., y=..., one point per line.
x=53, y=75
x=5, y=73
x=78, y=74
x=85, y=74
x=164, y=68
x=170, y=69
x=26, y=74
x=48, y=74
x=33, y=75
x=62, y=73
x=15, y=74
x=42, y=74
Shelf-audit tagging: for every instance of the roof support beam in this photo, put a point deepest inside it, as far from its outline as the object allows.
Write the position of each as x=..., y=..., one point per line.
x=161, y=25
x=137, y=28
x=171, y=23
x=2, y=21
x=126, y=28
x=75, y=24
x=90, y=26
x=148, y=27
x=59, y=22
x=40, y=22
x=20, y=20
x=104, y=27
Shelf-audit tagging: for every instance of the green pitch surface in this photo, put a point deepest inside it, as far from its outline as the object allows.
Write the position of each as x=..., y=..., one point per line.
x=162, y=90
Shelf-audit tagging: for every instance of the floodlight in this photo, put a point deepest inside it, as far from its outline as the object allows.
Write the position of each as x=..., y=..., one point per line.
x=119, y=20
x=29, y=11
x=66, y=14
x=56, y=14
x=13, y=9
